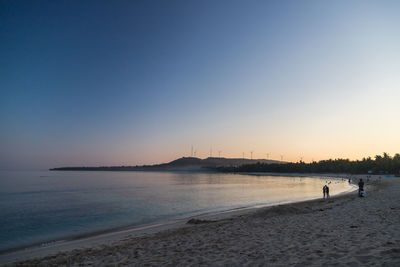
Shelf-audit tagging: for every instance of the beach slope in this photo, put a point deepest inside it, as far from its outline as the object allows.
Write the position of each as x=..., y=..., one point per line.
x=345, y=230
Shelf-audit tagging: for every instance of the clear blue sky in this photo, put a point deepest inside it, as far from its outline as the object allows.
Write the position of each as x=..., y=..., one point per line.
x=134, y=82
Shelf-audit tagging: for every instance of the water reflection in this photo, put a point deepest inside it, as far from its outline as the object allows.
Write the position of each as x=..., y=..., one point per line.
x=40, y=206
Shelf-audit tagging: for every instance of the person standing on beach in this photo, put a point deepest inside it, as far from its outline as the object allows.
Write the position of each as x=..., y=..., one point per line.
x=324, y=190
x=327, y=191
x=360, y=186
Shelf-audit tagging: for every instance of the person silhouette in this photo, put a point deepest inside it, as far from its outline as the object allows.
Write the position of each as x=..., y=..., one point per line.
x=360, y=187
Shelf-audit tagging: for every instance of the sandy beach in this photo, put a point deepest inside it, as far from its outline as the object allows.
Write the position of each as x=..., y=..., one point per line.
x=344, y=230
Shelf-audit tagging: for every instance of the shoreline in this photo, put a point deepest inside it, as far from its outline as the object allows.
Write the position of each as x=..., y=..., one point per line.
x=345, y=230
x=89, y=240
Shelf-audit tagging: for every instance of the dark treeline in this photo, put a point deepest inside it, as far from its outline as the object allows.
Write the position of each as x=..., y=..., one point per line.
x=379, y=165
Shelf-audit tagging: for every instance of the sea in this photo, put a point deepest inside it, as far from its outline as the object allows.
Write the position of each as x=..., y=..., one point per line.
x=42, y=206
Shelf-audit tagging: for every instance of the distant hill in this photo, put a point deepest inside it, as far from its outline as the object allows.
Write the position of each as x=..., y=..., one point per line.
x=184, y=163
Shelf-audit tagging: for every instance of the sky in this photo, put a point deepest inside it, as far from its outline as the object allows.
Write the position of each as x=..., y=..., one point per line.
x=140, y=82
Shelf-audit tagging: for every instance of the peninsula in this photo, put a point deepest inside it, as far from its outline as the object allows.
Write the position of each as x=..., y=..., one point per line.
x=181, y=164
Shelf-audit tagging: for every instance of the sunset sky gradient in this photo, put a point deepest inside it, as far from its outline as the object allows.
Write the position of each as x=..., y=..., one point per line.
x=140, y=82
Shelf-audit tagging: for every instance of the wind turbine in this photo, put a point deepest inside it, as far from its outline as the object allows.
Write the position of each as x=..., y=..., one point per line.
x=281, y=157
x=251, y=154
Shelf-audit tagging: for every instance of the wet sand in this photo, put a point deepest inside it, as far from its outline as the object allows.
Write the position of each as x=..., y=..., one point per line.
x=344, y=230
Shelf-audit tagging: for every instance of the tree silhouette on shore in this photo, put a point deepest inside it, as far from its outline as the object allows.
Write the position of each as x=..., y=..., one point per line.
x=384, y=164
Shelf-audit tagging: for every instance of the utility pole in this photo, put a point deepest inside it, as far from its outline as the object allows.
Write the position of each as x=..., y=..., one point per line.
x=210, y=152
x=251, y=154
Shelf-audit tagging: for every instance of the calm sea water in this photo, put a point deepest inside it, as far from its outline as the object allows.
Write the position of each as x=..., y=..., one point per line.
x=39, y=206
